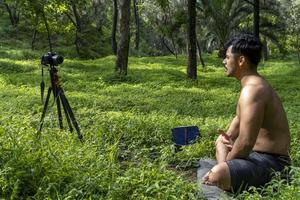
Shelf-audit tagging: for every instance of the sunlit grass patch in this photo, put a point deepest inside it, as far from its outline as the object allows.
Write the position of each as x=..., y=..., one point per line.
x=126, y=123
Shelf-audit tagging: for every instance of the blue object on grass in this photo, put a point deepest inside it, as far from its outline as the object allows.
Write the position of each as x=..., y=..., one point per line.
x=185, y=135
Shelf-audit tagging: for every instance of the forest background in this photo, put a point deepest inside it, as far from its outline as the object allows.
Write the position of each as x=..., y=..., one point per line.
x=132, y=71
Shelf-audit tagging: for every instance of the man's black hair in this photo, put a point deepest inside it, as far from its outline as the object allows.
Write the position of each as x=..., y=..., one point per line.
x=247, y=45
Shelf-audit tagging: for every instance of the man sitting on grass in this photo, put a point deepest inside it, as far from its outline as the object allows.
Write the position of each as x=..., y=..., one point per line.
x=258, y=139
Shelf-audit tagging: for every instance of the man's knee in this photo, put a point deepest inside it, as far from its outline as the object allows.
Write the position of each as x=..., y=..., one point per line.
x=220, y=176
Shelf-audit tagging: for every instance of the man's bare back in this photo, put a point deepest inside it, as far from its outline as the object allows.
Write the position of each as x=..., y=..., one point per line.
x=274, y=134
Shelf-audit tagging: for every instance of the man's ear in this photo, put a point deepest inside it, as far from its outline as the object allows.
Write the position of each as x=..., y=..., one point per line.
x=242, y=60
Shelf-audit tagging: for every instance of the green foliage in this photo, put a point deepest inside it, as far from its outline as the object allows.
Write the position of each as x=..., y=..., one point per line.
x=278, y=188
x=60, y=17
x=221, y=20
x=164, y=4
x=149, y=181
x=126, y=122
x=217, y=21
x=293, y=18
x=126, y=125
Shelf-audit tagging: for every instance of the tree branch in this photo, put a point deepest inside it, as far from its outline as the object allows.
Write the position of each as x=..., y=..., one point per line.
x=250, y=2
x=165, y=44
x=71, y=19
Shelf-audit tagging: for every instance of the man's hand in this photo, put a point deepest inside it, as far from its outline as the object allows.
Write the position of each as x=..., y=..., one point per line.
x=225, y=139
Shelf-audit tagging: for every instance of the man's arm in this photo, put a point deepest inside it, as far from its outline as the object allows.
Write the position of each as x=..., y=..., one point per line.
x=252, y=105
x=225, y=140
x=233, y=130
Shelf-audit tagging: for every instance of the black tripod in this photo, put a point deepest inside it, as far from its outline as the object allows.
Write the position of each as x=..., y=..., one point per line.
x=59, y=97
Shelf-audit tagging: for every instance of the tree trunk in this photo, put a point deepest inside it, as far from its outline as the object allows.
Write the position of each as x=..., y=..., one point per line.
x=137, y=24
x=13, y=16
x=256, y=18
x=265, y=50
x=174, y=46
x=122, y=53
x=34, y=32
x=100, y=18
x=78, y=25
x=77, y=18
x=200, y=55
x=33, y=38
x=298, y=48
x=192, y=57
x=99, y=15
x=114, y=27
x=48, y=30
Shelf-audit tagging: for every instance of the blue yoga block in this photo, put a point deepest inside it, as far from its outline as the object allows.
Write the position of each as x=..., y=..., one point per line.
x=185, y=135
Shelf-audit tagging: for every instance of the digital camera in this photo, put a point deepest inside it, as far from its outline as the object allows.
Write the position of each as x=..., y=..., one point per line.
x=52, y=59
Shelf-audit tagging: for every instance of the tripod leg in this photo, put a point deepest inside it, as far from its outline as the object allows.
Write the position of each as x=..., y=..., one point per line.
x=57, y=99
x=71, y=114
x=63, y=102
x=45, y=109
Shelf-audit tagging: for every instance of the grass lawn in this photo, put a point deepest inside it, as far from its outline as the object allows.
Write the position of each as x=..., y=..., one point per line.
x=127, y=151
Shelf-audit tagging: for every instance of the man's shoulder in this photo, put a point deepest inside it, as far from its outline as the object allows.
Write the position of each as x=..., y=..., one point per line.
x=255, y=88
x=255, y=92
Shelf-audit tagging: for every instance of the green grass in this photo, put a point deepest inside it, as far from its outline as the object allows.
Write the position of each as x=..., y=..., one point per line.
x=127, y=151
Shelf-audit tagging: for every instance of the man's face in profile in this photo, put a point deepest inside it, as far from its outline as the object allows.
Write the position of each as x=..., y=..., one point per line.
x=230, y=63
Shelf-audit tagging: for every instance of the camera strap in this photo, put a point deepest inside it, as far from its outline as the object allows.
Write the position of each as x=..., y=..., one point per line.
x=42, y=85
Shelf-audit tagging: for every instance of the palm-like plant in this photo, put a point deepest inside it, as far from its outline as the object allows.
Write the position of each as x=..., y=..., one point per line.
x=220, y=19
x=272, y=26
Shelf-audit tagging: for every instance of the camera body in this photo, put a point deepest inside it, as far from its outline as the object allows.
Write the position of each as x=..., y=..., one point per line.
x=51, y=59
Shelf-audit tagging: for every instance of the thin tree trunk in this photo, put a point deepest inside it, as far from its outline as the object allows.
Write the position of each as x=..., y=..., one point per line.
x=174, y=46
x=200, y=55
x=137, y=24
x=114, y=27
x=78, y=28
x=77, y=18
x=76, y=33
x=166, y=22
x=14, y=19
x=192, y=57
x=34, y=32
x=33, y=38
x=77, y=43
x=48, y=30
x=298, y=48
x=265, y=50
x=256, y=18
x=16, y=16
x=100, y=17
x=123, y=50
x=98, y=14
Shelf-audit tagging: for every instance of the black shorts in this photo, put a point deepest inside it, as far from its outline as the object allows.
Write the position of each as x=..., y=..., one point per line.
x=256, y=170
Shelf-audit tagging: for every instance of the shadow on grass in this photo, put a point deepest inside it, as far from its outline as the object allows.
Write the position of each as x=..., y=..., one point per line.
x=86, y=76
x=158, y=88
x=9, y=67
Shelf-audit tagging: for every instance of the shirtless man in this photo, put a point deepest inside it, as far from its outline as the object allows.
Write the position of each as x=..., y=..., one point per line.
x=258, y=139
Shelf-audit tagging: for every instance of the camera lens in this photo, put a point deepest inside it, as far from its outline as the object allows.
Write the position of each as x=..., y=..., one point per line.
x=57, y=59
